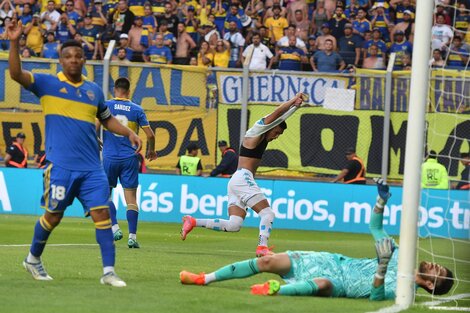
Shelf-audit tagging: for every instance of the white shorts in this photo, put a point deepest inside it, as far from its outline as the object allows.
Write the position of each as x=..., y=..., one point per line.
x=243, y=191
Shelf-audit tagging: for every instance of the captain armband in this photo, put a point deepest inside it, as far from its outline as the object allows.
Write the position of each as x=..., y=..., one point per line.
x=105, y=114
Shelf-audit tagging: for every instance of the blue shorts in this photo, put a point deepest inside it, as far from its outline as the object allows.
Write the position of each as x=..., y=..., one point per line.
x=62, y=186
x=126, y=170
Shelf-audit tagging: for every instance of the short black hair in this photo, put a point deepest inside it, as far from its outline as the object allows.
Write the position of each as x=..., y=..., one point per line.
x=122, y=83
x=283, y=125
x=445, y=285
x=192, y=146
x=432, y=154
x=71, y=43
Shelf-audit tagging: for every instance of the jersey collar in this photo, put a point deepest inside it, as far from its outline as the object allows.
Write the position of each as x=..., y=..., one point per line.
x=61, y=76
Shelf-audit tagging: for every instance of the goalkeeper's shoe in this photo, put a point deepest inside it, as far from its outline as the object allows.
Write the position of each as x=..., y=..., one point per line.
x=37, y=270
x=269, y=288
x=263, y=251
x=117, y=235
x=188, y=224
x=113, y=280
x=132, y=243
x=188, y=278
x=383, y=189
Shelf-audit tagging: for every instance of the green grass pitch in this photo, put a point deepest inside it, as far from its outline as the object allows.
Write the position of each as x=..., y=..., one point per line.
x=152, y=271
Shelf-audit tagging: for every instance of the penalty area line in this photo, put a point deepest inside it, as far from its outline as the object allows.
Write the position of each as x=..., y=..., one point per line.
x=391, y=309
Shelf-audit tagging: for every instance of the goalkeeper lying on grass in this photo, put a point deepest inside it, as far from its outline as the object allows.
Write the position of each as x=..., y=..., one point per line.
x=324, y=274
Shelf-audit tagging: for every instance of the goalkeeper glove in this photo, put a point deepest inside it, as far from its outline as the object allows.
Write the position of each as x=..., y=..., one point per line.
x=384, y=249
x=383, y=190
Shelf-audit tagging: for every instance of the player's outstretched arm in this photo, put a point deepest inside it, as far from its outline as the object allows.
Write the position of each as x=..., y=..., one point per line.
x=114, y=126
x=14, y=31
x=376, y=220
x=384, y=249
x=283, y=108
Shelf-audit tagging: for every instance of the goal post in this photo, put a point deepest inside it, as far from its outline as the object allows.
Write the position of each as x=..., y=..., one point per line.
x=414, y=151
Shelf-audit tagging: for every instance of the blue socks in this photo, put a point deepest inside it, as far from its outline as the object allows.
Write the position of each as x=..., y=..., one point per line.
x=42, y=230
x=104, y=237
x=112, y=212
x=132, y=215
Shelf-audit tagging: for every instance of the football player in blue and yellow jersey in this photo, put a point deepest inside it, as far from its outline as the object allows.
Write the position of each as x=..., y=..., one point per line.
x=70, y=104
x=324, y=274
x=120, y=159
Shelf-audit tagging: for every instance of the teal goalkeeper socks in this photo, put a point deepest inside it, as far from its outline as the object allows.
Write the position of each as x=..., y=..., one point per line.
x=305, y=288
x=237, y=270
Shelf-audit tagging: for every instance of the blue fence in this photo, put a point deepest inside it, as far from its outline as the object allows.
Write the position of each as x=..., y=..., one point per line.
x=298, y=205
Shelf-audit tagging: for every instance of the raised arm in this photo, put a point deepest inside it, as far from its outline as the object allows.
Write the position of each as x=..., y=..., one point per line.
x=16, y=72
x=280, y=110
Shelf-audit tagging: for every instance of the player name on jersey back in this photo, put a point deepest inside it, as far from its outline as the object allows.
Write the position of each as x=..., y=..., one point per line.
x=122, y=107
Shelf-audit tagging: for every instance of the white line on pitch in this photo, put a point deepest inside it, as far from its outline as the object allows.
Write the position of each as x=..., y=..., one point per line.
x=53, y=245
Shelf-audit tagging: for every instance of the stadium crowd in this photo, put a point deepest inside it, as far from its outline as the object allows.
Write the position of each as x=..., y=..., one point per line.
x=296, y=35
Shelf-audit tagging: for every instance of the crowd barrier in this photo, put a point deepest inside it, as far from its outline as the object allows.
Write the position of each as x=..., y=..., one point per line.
x=297, y=205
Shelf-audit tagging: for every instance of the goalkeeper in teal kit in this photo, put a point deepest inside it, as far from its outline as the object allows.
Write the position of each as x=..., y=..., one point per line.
x=324, y=274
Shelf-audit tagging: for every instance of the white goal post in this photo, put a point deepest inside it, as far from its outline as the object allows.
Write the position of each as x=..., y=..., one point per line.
x=414, y=151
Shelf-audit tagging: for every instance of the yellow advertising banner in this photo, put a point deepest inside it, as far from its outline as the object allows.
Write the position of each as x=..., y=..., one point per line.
x=153, y=87
x=174, y=130
x=316, y=139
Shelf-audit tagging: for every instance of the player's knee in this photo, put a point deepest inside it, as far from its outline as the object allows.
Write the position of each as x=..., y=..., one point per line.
x=234, y=224
x=265, y=263
x=267, y=213
x=52, y=219
x=133, y=207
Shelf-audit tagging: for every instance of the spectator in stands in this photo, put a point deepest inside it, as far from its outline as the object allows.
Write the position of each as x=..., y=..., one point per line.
x=354, y=172
x=441, y=10
x=406, y=60
x=121, y=56
x=169, y=39
x=351, y=9
x=350, y=46
x=64, y=30
x=406, y=26
x=373, y=61
x=171, y=19
x=311, y=49
x=400, y=7
x=34, y=35
x=138, y=40
x=327, y=60
x=361, y=24
x=122, y=18
x=376, y=40
x=72, y=15
x=265, y=39
x=158, y=53
x=50, y=50
x=219, y=8
x=98, y=18
x=269, y=6
x=302, y=25
x=190, y=164
x=191, y=23
x=325, y=36
x=89, y=33
x=50, y=16
x=457, y=57
x=205, y=56
x=441, y=33
x=433, y=174
x=437, y=61
x=401, y=47
x=27, y=14
x=294, y=6
x=276, y=24
x=23, y=46
x=4, y=41
x=256, y=54
x=320, y=17
x=289, y=32
x=123, y=44
x=464, y=183
x=184, y=44
x=222, y=53
x=210, y=34
x=158, y=9
x=462, y=20
x=337, y=23
x=232, y=16
x=88, y=48
x=290, y=58
x=26, y=53
x=236, y=44
x=136, y=7
x=80, y=6
x=149, y=22
x=381, y=20
x=6, y=10
x=16, y=154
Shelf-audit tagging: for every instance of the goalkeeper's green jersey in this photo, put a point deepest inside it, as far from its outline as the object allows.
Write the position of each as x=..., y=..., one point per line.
x=351, y=277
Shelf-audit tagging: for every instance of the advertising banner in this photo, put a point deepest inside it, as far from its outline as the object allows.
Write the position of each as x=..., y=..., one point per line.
x=297, y=205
